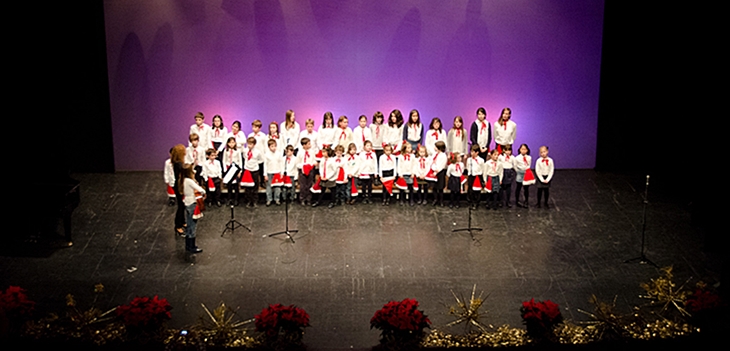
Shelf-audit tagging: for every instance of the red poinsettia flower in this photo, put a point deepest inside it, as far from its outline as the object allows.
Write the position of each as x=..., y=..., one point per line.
x=15, y=303
x=145, y=312
x=276, y=318
x=400, y=316
x=702, y=300
x=540, y=316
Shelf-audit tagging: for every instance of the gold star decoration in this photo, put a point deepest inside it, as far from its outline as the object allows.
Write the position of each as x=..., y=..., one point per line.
x=467, y=311
x=661, y=291
x=221, y=329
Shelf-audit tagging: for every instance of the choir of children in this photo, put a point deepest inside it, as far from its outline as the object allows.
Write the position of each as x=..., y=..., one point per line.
x=388, y=152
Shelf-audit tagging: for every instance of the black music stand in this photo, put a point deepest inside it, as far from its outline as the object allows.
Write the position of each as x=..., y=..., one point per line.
x=288, y=232
x=469, y=228
x=233, y=224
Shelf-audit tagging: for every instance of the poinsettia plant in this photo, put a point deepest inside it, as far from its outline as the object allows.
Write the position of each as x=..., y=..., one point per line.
x=702, y=300
x=540, y=317
x=15, y=303
x=400, y=322
x=145, y=312
x=282, y=324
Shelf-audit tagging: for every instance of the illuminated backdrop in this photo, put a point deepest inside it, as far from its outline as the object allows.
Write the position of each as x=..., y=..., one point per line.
x=255, y=59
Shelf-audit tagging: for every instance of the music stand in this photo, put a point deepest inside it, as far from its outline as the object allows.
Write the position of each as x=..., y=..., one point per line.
x=288, y=232
x=233, y=224
x=469, y=228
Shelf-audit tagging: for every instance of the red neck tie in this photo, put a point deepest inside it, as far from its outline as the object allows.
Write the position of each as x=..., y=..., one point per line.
x=423, y=162
x=363, y=135
x=377, y=130
x=342, y=135
x=458, y=168
x=435, y=135
x=505, y=124
x=546, y=161
x=389, y=159
x=306, y=156
x=406, y=157
x=458, y=133
x=369, y=155
x=350, y=158
x=324, y=170
x=484, y=126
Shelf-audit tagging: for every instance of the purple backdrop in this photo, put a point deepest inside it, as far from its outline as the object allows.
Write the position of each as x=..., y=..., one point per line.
x=255, y=59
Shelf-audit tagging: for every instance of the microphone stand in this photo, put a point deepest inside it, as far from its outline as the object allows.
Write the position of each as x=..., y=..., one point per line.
x=642, y=257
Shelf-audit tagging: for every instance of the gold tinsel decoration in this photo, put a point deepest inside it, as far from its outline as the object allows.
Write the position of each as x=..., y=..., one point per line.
x=661, y=329
x=216, y=328
x=606, y=323
x=91, y=325
x=504, y=336
x=570, y=333
x=220, y=329
x=662, y=292
x=467, y=311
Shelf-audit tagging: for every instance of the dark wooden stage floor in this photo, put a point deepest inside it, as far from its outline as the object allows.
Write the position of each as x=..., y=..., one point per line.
x=349, y=261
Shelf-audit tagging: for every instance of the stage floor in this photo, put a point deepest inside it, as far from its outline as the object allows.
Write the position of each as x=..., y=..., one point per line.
x=350, y=260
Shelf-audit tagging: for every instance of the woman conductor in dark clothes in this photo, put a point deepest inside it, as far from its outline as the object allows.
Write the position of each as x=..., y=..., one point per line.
x=177, y=157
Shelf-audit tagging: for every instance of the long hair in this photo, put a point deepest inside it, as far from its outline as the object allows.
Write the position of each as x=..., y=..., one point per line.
x=377, y=115
x=410, y=117
x=219, y=118
x=433, y=121
x=328, y=115
x=500, y=121
x=187, y=172
x=398, y=118
x=177, y=155
x=289, y=122
x=463, y=131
